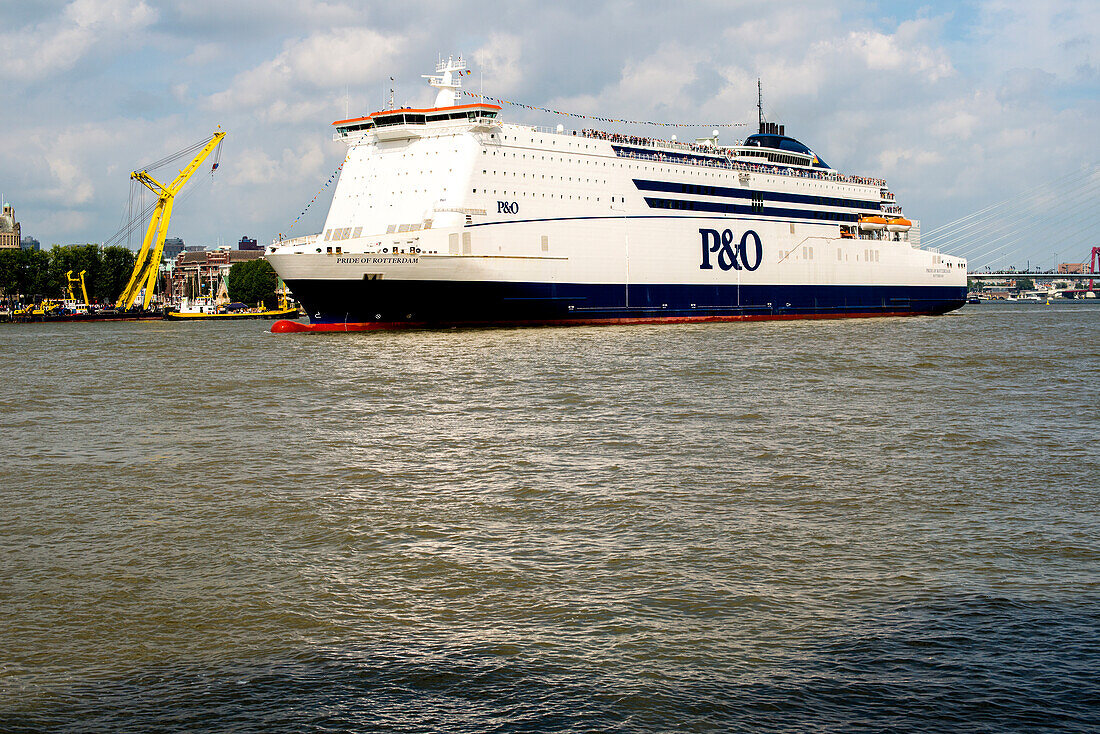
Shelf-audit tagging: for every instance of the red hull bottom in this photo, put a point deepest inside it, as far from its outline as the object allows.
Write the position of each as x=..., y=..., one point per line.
x=296, y=327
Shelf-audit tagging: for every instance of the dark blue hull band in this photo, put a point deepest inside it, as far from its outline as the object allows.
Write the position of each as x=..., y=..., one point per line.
x=452, y=302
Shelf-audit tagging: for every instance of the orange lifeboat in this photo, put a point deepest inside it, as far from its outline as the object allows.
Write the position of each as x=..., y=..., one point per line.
x=872, y=224
x=898, y=224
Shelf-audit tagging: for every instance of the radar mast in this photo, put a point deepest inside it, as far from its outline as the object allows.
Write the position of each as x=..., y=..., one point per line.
x=447, y=80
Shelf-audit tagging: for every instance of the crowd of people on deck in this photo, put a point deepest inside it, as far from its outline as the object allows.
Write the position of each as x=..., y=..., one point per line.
x=651, y=142
x=725, y=162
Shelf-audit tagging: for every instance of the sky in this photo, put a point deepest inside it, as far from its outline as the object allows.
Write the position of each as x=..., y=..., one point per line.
x=959, y=105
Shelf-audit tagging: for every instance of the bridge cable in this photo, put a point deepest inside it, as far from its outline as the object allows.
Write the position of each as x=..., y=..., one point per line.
x=993, y=211
x=975, y=240
x=1014, y=239
x=1083, y=173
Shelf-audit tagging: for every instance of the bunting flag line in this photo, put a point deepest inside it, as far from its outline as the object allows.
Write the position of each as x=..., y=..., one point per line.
x=497, y=100
x=319, y=192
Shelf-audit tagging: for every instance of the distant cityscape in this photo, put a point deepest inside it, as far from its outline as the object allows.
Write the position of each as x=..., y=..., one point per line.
x=11, y=238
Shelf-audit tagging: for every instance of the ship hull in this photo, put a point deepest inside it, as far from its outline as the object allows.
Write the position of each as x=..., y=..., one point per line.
x=387, y=304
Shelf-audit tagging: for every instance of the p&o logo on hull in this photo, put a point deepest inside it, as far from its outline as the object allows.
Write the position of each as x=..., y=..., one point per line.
x=507, y=207
x=745, y=255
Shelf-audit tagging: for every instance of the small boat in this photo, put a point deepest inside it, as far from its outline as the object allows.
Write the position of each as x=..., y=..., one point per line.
x=872, y=224
x=898, y=224
x=282, y=312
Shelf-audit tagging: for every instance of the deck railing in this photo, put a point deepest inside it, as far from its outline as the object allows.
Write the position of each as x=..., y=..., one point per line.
x=719, y=158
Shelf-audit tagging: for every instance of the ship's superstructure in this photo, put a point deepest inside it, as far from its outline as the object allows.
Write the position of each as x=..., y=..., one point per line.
x=449, y=215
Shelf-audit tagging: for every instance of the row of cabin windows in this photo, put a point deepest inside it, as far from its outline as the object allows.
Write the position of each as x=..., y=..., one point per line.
x=505, y=173
x=819, y=200
x=533, y=195
x=467, y=247
x=342, y=233
x=808, y=254
x=710, y=191
x=757, y=207
x=474, y=114
x=869, y=256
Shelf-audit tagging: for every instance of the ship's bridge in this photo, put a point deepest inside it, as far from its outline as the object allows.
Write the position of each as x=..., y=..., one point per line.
x=408, y=122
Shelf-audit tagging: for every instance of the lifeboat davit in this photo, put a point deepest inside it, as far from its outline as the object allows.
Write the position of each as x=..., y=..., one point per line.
x=898, y=224
x=872, y=224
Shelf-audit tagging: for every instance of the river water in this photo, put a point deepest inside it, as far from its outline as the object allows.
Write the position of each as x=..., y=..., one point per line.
x=859, y=525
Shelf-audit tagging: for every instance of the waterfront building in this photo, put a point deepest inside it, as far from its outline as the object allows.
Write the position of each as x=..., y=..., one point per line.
x=173, y=246
x=1071, y=268
x=9, y=229
x=30, y=243
x=203, y=273
x=247, y=243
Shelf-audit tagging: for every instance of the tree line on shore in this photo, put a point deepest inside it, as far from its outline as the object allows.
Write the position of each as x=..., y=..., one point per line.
x=252, y=281
x=32, y=275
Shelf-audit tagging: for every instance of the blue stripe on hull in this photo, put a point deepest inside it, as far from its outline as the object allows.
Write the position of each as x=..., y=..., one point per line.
x=451, y=302
x=691, y=189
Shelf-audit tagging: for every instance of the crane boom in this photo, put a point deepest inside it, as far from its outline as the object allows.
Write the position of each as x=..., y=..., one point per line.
x=147, y=262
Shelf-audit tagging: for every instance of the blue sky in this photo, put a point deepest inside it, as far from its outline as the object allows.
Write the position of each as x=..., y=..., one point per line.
x=958, y=105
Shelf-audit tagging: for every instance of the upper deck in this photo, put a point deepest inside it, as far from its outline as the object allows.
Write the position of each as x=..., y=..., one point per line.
x=737, y=158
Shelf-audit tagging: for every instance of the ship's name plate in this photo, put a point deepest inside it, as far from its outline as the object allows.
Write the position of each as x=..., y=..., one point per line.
x=378, y=260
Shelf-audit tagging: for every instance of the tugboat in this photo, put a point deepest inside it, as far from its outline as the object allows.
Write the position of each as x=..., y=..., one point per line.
x=203, y=310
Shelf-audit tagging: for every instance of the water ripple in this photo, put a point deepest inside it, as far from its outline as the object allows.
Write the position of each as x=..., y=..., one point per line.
x=859, y=526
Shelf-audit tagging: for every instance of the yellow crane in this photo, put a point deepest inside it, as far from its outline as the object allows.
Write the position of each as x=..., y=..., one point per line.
x=73, y=281
x=147, y=263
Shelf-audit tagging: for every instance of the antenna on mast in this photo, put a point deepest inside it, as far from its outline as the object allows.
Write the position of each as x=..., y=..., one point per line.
x=759, y=105
x=391, y=93
x=448, y=80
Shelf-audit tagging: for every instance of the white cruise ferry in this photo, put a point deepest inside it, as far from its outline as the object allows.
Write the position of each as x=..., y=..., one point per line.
x=451, y=216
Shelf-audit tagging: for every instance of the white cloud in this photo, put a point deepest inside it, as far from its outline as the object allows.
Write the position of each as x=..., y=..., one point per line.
x=205, y=53
x=904, y=50
x=254, y=166
x=57, y=45
x=500, y=62
x=284, y=87
x=654, y=85
x=959, y=123
x=1057, y=36
x=956, y=112
x=65, y=154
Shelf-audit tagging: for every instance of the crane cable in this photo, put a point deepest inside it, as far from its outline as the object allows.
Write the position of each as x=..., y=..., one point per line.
x=137, y=191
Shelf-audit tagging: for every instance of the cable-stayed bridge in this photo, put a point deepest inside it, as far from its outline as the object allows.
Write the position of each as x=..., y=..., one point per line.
x=1055, y=220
